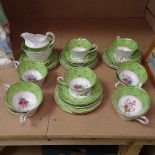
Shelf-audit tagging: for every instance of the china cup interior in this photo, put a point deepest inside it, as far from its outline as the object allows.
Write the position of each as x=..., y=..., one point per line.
x=126, y=42
x=77, y=43
x=23, y=97
x=32, y=71
x=80, y=77
x=131, y=102
x=132, y=73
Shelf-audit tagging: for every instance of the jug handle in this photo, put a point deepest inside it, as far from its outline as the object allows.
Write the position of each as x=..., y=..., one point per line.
x=53, y=37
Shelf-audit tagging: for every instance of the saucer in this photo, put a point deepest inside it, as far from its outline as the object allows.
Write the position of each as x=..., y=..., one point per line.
x=135, y=57
x=72, y=109
x=68, y=65
x=109, y=59
x=54, y=62
x=96, y=92
x=89, y=58
x=50, y=63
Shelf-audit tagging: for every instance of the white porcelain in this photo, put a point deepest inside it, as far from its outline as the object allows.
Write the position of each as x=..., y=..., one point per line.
x=129, y=77
x=40, y=56
x=32, y=75
x=130, y=108
x=80, y=87
x=24, y=103
x=123, y=52
x=79, y=53
x=37, y=40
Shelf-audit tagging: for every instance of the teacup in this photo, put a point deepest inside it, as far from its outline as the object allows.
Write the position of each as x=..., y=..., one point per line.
x=131, y=103
x=124, y=48
x=79, y=48
x=39, y=54
x=79, y=81
x=131, y=73
x=24, y=98
x=33, y=71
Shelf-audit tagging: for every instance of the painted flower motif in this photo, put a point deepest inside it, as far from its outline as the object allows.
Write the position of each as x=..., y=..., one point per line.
x=127, y=79
x=23, y=102
x=129, y=106
x=31, y=77
x=77, y=86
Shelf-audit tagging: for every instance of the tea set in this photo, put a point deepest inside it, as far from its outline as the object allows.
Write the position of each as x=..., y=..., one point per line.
x=79, y=90
x=79, y=52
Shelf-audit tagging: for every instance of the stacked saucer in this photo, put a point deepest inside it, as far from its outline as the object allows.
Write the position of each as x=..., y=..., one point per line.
x=79, y=91
x=50, y=63
x=121, y=50
x=39, y=47
x=79, y=52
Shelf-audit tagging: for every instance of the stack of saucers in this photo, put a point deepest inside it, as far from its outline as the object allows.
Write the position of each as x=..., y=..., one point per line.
x=121, y=50
x=79, y=52
x=78, y=91
x=39, y=47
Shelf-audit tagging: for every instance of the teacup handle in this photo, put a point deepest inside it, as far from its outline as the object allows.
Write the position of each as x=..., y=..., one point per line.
x=22, y=118
x=6, y=86
x=143, y=120
x=16, y=63
x=52, y=35
x=93, y=48
x=140, y=84
x=117, y=84
x=61, y=80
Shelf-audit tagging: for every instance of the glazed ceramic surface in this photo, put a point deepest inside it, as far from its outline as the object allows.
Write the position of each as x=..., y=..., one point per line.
x=37, y=41
x=33, y=71
x=38, y=56
x=132, y=73
x=109, y=59
x=50, y=63
x=131, y=102
x=68, y=65
x=124, y=47
x=72, y=109
x=79, y=81
x=96, y=92
x=79, y=48
x=24, y=96
x=88, y=59
x=80, y=87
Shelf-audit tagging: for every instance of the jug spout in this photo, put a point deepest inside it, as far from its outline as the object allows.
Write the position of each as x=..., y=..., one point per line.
x=26, y=35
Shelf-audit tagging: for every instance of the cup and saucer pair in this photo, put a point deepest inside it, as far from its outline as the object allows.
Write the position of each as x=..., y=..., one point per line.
x=50, y=63
x=78, y=91
x=121, y=50
x=79, y=52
